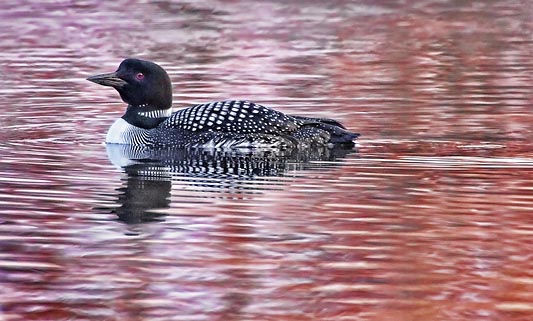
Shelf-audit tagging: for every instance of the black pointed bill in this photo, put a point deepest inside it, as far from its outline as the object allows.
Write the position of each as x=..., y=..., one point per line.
x=110, y=79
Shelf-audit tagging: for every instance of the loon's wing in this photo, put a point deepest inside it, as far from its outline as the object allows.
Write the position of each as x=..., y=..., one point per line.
x=328, y=121
x=338, y=133
x=233, y=116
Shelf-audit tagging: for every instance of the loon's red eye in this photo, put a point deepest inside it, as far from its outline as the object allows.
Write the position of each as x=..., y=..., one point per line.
x=139, y=76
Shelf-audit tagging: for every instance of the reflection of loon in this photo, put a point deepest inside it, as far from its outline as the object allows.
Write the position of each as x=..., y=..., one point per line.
x=151, y=171
x=149, y=120
x=143, y=194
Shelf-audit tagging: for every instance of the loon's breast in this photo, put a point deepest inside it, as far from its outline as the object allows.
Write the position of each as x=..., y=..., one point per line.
x=122, y=132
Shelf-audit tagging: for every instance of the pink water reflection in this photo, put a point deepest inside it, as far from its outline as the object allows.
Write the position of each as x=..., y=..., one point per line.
x=431, y=220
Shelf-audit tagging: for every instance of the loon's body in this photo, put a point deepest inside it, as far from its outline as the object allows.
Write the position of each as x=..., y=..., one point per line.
x=149, y=120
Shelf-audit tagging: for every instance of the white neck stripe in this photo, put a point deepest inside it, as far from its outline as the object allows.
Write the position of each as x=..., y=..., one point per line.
x=160, y=113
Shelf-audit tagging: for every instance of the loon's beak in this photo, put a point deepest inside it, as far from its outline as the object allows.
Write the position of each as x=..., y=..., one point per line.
x=110, y=79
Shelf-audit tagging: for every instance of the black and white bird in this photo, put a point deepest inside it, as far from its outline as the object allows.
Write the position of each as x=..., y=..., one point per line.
x=149, y=120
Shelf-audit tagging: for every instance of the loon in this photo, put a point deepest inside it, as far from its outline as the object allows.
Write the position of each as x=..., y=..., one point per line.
x=149, y=120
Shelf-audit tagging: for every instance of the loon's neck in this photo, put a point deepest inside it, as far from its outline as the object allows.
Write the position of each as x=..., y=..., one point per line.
x=145, y=116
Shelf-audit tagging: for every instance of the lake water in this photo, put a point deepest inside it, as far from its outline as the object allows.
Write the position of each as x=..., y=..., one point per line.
x=429, y=218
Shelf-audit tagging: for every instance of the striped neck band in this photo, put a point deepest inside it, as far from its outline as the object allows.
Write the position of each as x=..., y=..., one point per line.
x=160, y=113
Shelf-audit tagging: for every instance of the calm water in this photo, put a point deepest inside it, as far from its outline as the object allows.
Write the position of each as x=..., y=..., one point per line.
x=431, y=218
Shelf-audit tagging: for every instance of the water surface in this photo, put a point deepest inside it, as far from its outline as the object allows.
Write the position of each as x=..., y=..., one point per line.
x=429, y=219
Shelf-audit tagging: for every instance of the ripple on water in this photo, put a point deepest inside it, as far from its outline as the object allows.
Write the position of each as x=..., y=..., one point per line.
x=431, y=220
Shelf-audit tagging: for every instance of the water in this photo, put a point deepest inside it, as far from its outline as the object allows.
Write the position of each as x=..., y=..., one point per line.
x=429, y=219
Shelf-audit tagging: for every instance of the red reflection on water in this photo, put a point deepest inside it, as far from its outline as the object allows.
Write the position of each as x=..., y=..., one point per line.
x=430, y=221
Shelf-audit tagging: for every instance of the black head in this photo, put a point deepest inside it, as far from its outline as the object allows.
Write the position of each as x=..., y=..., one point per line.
x=139, y=82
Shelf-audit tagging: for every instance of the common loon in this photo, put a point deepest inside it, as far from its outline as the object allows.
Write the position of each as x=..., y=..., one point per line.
x=149, y=120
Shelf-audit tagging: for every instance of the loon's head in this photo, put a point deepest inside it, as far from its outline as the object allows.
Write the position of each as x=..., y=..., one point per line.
x=140, y=83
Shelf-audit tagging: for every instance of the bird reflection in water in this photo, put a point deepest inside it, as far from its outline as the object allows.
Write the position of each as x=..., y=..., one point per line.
x=150, y=172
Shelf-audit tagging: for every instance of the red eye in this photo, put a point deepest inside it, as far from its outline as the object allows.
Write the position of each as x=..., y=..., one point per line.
x=139, y=76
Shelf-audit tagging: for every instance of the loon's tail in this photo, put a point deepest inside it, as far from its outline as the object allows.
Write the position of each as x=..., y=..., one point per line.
x=338, y=133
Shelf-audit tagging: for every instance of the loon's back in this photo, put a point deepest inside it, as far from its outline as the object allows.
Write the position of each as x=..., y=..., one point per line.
x=148, y=120
x=237, y=123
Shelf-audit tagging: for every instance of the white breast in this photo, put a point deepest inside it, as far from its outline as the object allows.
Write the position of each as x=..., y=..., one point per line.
x=122, y=132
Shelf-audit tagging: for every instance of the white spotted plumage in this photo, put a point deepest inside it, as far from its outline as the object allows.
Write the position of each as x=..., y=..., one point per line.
x=226, y=116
